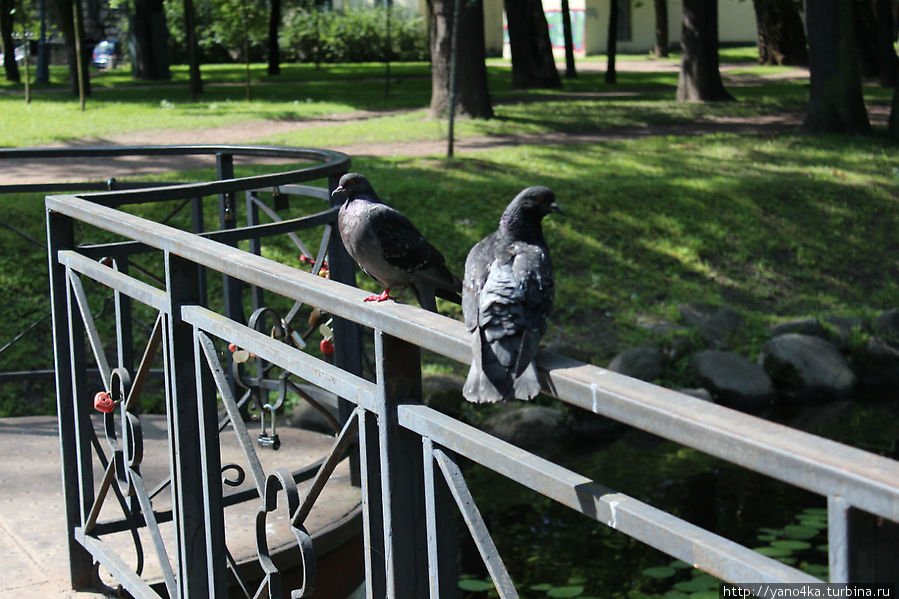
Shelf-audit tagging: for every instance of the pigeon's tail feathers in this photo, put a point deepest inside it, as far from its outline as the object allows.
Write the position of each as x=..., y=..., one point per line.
x=450, y=296
x=424, y=293
x=487, y=381
x=527, y=385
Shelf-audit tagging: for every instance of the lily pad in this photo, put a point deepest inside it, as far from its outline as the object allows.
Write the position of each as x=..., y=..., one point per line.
x=798, y=531
x=704, y=595
x=660, y=572
x=473, y=584
x=817, y=570
x=569, y=591
x=703, y=582
x=577, y=580
x=791, y=544
x=679, y=565
x=773, y=551
x=543, y=586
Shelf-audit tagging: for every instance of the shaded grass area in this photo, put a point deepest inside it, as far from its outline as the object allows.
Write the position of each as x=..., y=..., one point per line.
x=776, y=227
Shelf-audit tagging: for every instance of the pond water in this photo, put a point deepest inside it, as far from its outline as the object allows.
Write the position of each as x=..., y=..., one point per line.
x=552, y=551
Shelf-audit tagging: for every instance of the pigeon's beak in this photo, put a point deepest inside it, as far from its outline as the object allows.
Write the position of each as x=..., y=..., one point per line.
x=555, y=208
x=338, y=191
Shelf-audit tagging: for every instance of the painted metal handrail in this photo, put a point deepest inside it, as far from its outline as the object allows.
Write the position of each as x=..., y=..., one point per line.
x=400, y=480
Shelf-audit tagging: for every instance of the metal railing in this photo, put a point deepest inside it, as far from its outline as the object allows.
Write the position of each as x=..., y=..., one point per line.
x=412, y=486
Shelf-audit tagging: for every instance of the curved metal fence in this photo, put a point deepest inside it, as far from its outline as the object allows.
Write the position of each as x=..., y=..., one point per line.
x=413, y=489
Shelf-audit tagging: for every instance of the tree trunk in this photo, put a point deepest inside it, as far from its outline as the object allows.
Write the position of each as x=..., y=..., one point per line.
x=193, y=51
x=781, y=33
x=889, y=66
x=835, y=92
x=866, y=37
x=9, y=50
x=612, y=43
x=472, y=95
x=894, y=116
x=661, y=10
x=149, y=36
x=533, y=65
x=66, y=22
x=570, y=71
x=700, y=77
x=274, y=50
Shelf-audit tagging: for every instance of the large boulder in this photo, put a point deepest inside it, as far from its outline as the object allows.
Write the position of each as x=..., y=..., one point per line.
x=803, y=326
x=534, y=428
x=443, y=392
x=733, y=380
x=843, y=327
x=877, y=364
x=807, y=367
x=887, y=325
x=720, y=327
x=644, y=363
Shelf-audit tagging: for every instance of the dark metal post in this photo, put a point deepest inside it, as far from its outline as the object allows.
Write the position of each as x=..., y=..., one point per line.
x=872, y=549
x=398, y=366
x=233, y=288
x=196, y=214
x=373, y=514
x=192, y=530
x=211, y=467
x=347, y=337
x=60, y=236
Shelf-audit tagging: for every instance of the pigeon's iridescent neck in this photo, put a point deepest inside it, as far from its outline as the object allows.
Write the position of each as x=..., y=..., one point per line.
x=517, y=225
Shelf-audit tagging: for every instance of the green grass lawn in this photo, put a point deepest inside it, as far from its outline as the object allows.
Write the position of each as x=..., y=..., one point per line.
x=776, y=226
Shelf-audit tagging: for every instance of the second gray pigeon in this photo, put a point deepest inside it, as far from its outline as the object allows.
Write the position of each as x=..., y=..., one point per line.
x=506, y=299
x=389, y=248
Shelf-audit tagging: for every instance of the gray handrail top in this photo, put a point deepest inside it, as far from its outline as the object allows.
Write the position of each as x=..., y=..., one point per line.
x=864, y=480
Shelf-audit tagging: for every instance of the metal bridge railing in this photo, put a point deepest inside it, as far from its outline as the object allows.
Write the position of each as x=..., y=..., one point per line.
x=412, y=487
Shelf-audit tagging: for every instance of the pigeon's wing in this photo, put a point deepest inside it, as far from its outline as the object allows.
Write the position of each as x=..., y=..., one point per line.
x=402, y=244
x=477, y=265
x=513, y=302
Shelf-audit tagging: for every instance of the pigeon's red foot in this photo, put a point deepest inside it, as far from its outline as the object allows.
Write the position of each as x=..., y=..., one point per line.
x=385, y=295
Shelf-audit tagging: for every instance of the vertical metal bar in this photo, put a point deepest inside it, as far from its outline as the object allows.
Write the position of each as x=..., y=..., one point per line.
x=372, y=512
x=873, y=542
x=442, y=533
x=398, y=365
x=838, y=538
x=61, y=236
x=347, y=336
x=233, y=288
x=255, y=244
x=196, y=213
x=211, y=467
x=184, y=422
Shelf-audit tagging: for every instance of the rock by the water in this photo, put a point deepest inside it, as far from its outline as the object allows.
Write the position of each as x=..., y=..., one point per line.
x=719, y=327
x=807, y=367
x=644, y=363
x=877, y=364
x=733, y=380
x=842, y=327
x=443, y=392
x=887, y=325
x=535, y=428
x=804, y=326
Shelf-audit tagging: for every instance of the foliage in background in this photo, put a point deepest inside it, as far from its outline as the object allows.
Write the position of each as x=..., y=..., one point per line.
x=353, y=35
x=308, y=34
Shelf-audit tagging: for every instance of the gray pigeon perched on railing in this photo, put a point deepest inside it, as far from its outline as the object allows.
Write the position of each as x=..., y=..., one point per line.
x=389, y=248
x=506, y=298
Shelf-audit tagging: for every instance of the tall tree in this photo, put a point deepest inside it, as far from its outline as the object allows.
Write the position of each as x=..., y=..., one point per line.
x=700, y=77
x=889, y=66
x=193, y=50
x=65, y=11
x=835, y=93
x=149, y=41
x=612, y=43
x=569, y=40
x=7, y=16
x=274, y=51
x=661, y=10
x=472, y=95
x=894, y=116
x=781, y=33
x=533, y=64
